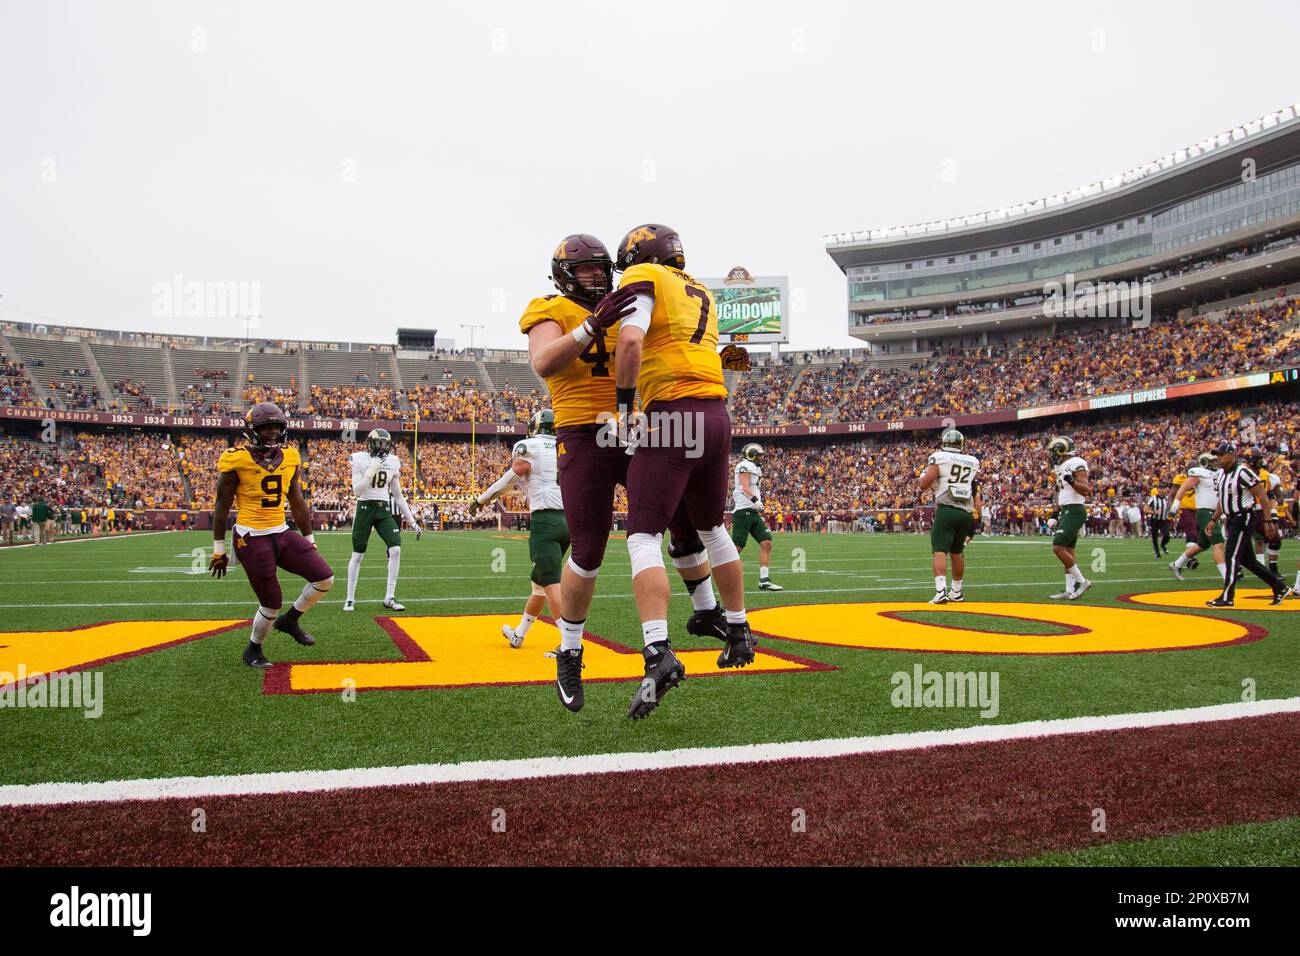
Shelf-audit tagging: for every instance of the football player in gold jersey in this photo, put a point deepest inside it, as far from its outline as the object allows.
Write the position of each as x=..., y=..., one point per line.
x=570, y=344
x=258, y=479
x=668, y=350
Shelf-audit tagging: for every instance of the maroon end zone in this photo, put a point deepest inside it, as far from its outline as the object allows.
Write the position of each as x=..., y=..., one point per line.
x=945, y=805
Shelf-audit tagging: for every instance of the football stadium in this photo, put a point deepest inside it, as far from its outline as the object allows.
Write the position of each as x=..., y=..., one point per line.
x=1004, y=572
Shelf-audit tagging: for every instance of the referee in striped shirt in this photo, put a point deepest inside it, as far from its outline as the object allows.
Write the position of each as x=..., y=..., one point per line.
x=1245, y=507
x=1158, y=513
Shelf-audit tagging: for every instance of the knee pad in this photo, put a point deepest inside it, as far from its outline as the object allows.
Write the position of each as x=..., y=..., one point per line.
x=722, y=550
x=538, y=590
x=324, y=585
x=687, y=554
x=645, y=551
x=581, y=571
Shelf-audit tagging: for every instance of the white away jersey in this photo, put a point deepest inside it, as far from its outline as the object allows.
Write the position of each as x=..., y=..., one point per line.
x=541, y=484
x=1206, y=494
x=380, y=486
x=739, y=499
x=956, y=484
x=1065, y=493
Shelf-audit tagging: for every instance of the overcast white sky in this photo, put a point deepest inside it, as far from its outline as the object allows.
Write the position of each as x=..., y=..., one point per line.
x=376, y=164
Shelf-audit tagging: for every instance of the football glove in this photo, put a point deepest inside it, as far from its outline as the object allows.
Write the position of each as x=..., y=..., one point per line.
x=418, y=531
x=616, y=306
x=218, y=564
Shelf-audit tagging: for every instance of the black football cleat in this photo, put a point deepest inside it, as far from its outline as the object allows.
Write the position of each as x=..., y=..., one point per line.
x=1218, y=602
x=568, y=677
x=740, y=646
x=1280, y=596
x=254, y=657
x=294, y=630
x=663, y=672
x=710, y=623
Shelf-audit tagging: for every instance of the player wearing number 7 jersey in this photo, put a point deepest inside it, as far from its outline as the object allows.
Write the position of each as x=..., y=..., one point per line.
x=571, y=345
x=258, y=479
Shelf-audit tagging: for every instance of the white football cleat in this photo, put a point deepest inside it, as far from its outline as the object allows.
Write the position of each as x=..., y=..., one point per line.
x=940, y=597
x=1078, y=592
x=392, y=605
x=516, y=641
x=956, y=597
x=769, y=586
x=1178, y=572
x=349, y=605
x=1062, y=596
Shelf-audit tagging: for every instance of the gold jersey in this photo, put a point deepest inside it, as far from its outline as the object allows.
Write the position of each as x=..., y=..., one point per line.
x=262, y=491
x=679, y=358
x=1188, y=500
x=585, y=389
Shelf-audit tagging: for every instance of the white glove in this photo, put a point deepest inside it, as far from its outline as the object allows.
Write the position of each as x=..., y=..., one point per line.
x=373, y=470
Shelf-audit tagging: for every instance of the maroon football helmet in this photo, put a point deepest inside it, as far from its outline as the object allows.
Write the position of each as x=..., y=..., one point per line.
x=256, y=420
x=652, y=243
x=572, y=252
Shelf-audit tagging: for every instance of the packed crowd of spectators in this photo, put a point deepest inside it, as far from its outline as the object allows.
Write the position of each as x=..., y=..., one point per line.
x=284, y=396
x=455, y=402
x=517, y=406
x=206, y=399
x=368, y=402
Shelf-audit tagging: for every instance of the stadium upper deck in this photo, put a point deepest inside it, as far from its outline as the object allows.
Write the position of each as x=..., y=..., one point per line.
x=1218, y=218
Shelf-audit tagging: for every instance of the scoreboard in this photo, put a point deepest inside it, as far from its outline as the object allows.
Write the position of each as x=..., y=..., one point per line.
x=751, y=309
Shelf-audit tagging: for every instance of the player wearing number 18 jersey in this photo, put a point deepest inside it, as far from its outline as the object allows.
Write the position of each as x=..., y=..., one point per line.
x=258, y=479
x=376, y=481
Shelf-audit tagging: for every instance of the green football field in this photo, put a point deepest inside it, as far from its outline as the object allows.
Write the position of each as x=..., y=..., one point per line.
x=193, y=708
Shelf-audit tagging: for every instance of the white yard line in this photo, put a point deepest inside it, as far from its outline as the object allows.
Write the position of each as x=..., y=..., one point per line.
x=521, y=593
x=534, y=767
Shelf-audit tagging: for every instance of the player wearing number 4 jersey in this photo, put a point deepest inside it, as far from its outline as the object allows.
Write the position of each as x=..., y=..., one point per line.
x=952, y=474
x=571, y=345
x=376, y=481
x=258, y=479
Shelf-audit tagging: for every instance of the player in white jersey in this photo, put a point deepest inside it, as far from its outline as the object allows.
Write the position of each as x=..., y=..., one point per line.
x=1201, y=481
x=534, y=462
x=376, y=483
x=1072, y=487
x=747, y=514
x=957, y=506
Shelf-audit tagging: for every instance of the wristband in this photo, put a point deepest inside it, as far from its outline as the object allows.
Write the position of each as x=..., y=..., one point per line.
x=625, y=397
x=311, y=539
x=582, y=335
x=219, y=547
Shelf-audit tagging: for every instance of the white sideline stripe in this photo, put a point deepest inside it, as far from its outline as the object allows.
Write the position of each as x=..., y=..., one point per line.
x=306, y=781
x=83, y=540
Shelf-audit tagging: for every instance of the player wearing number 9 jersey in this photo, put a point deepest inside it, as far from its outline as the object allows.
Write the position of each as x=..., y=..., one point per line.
x=259, y=479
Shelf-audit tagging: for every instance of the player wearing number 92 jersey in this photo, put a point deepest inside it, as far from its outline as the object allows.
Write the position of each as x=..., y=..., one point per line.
x=259, y=479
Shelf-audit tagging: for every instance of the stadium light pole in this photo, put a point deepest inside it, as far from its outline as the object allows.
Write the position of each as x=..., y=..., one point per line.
x=471, y=333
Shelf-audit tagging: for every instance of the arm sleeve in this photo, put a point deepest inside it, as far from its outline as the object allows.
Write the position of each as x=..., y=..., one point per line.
x=644, y=308
x=359, y=479
x=499, y=487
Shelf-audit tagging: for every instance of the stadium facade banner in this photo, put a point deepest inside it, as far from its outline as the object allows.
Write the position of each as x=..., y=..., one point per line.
x=314, y=423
